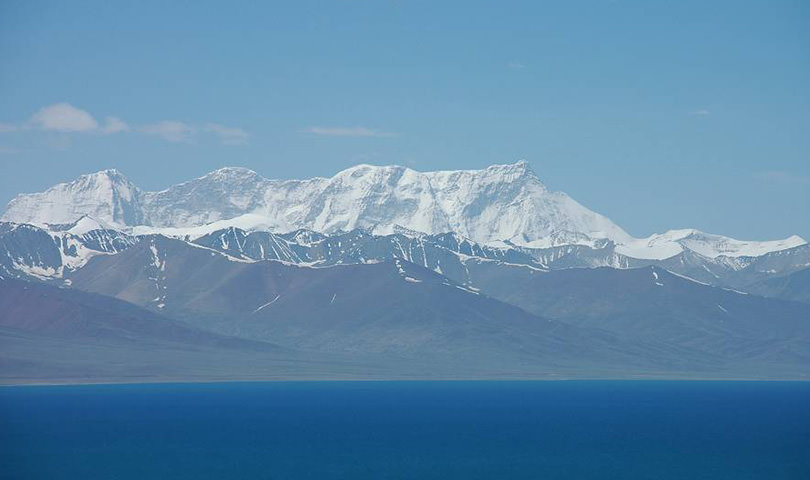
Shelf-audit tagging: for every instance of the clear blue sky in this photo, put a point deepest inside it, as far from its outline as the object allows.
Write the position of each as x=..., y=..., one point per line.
x=657, y=114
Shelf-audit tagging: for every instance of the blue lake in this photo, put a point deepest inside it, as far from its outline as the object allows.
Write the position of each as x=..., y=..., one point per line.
x=414, y=430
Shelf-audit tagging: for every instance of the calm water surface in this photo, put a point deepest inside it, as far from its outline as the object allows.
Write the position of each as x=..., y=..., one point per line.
x=418, y=430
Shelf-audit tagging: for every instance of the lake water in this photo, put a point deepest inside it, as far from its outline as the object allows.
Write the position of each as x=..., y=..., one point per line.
x=415, y=430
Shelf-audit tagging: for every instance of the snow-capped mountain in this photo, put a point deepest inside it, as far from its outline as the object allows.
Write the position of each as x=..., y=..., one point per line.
x=106, y=195
x=673, y=242
x=502, y=205
x=499, y=203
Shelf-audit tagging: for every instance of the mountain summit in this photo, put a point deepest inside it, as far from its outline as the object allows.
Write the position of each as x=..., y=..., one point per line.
x=107, y=195
x=501, y=204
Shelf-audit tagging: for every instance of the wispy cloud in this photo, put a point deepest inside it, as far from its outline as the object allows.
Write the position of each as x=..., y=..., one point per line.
x=176, y=131
x=65, y=119
x=8, y=127
x=516, y=65
x=228, y=135
x=7, y=150
x=115, y=125
x=348, y=132
x=783, y=177
x=169, y=130
x=701, y=112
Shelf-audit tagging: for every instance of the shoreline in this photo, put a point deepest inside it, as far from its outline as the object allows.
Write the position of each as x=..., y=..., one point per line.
x=214, y=381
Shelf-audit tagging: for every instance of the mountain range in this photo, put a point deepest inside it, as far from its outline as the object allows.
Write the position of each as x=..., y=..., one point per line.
x=500, y=205
x=381, y=272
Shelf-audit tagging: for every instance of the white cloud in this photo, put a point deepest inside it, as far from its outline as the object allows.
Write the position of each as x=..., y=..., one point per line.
x=115, y=125
x=701, y=112
x=170, y=130
x=64, y=117
x=516, y=65
x=228, y=135
x=348, y=132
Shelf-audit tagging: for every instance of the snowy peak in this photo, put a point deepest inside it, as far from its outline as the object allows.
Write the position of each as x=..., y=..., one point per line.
x=514, y=171
x=104, y=182
x=674, y=242
x=498, y=206
x=232, y=172
x=106, y=195
x=713, y=246
x=88, y=224
x=222, y=194
x=230, y=176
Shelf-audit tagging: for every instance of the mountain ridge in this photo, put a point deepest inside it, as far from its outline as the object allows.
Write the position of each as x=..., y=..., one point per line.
x=28, y=251
x=498, y=205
